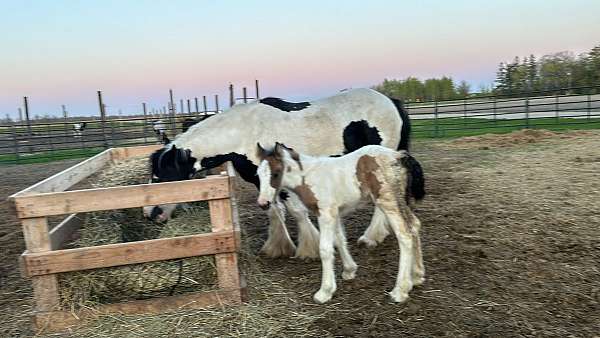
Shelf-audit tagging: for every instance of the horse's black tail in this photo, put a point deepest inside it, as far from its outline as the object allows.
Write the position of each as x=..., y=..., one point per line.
x=415, y=181
x=405, y=131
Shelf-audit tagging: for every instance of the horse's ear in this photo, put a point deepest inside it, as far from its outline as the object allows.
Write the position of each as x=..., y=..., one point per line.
x=260, y=151
x=165, y=139
x=279, y=148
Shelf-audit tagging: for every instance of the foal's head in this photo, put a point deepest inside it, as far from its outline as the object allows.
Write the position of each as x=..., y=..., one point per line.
x=278, y=167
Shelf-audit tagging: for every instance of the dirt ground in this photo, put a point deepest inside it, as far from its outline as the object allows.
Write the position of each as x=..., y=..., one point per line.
x=511, y=243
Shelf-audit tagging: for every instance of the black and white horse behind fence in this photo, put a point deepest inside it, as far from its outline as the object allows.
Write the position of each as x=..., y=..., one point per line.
x=331, y=187
x=331, y=126
x=78, y=128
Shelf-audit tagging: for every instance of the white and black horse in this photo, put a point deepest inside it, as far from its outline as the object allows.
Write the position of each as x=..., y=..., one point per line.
x=78, y=128
x=331, y=126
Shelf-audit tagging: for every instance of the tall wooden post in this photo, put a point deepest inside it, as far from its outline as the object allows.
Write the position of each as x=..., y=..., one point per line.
x=102, y=117
x=145, y=122
x=245, y=93
x=231, y=97
x=26, y=105
x=189, y=106
x=172, y=112
x=20, y=114
x=204, y=106
x=196, y=102
x=181, y=106
x=216, y=104
x=256, y=87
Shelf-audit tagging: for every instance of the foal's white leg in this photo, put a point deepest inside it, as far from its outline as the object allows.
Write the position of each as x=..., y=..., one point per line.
x=279, y=242
x=377, y=230
x=405, y=265
x=342, y=244
x=308, y=235
x=327, y=224
x=418, y=273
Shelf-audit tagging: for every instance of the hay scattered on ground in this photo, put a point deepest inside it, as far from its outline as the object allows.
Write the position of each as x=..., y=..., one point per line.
x=514, y=138
x=137, y=281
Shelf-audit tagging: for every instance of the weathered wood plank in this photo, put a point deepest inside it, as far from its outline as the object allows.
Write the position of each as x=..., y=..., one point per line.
x=68, y=177
x=37, y=240
x=67, y=202
x=55, y=321
x=51, y=262
x=62, y=233
x=123, y=153
x=227, y=264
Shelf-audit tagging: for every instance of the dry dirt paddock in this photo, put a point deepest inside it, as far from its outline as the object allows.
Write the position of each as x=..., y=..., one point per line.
x=511, y=241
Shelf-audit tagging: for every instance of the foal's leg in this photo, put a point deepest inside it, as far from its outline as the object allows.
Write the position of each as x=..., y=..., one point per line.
x=308, y=235
x=279, y=242
x=327, y=224
x=401, y=229
x=342, y=245
x=418, y=272
x=377, y=230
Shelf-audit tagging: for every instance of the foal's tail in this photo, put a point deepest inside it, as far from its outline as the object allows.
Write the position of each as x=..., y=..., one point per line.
x=415, y=180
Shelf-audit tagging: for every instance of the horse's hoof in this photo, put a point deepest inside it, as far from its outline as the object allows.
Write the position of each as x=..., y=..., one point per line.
x=369, y=243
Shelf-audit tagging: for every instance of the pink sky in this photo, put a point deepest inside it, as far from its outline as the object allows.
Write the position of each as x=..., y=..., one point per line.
x=62, y=52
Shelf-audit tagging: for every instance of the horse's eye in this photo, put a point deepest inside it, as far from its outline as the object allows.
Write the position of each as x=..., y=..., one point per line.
x=275, y=175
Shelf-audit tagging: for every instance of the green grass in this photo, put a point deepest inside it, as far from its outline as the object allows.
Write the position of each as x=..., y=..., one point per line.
x=459, y=127
x=49, y=156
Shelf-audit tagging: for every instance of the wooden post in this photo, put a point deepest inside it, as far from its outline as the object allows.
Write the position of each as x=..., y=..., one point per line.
x=227, y=264
x=20, y=114
x=435, y=118
x=245, y=93
x=196, y=102
x=204, y=106
x=172, y=112
x=216, y=104
x=26, y=105
x=145, y=122
x=189, y=106
x=37, y=239
x=102, y=118
x=231, y=97
x=65, y=121
x=256, y=87
x=181, y=106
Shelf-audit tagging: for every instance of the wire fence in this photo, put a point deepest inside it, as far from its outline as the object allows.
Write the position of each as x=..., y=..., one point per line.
x=53, y=139
x=498, y=114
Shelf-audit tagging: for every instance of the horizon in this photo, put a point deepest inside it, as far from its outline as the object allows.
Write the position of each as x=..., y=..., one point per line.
x=64, y=51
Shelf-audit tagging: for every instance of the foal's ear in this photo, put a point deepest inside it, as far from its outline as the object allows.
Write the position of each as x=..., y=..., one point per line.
x=260, y=151
x=279, y=148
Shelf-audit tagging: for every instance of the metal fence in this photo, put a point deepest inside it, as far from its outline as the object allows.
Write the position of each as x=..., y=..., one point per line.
x=41, y=141
x=497, y=114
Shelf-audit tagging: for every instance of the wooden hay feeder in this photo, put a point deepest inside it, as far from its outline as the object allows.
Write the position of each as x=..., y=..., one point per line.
x=44, y=257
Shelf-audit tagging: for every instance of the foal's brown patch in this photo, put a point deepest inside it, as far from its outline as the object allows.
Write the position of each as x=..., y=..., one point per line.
x=276, y=166
x=307, y=197
x=365, y=173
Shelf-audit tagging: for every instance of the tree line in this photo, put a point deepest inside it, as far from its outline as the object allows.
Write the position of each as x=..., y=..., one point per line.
x=558, y=73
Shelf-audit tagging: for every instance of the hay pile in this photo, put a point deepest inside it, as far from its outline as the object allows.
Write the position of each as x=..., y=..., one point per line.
x=137, y=281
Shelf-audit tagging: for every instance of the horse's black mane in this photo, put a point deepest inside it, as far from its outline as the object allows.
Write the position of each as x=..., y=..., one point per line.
x=284, y=105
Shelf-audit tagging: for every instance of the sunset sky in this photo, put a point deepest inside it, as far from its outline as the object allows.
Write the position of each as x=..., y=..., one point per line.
x=62, y=52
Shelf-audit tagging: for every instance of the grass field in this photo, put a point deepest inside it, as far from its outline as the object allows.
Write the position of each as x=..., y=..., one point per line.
x=459, y=127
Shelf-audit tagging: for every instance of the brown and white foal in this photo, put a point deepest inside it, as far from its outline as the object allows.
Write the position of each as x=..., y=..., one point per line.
x=331, y=186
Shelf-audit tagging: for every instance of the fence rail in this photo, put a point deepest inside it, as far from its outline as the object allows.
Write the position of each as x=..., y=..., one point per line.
x=49, y=140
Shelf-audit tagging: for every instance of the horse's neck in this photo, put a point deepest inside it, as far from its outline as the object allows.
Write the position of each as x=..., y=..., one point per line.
x=205, y=141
